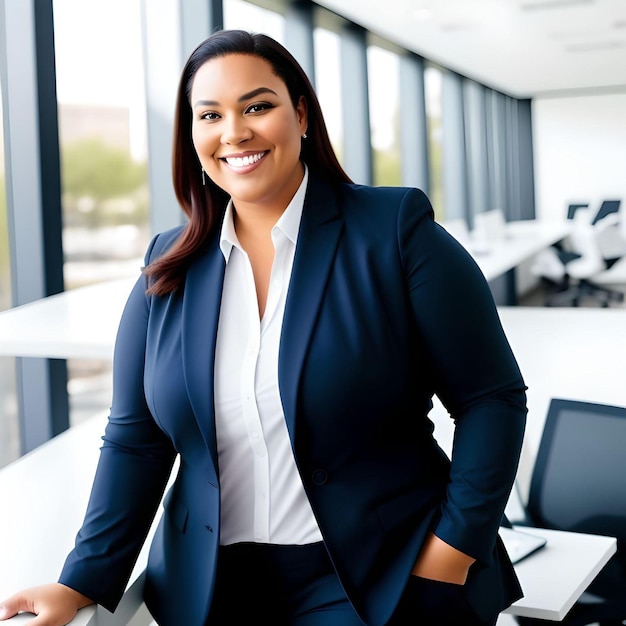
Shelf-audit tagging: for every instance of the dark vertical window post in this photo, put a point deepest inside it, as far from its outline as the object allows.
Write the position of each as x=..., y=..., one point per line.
x=454, y=163
x=299, y=35
x=357, y=147
x=476, y=149
x=34, y=200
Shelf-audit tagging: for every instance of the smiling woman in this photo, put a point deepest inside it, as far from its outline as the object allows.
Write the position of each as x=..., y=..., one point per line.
x=287, y=343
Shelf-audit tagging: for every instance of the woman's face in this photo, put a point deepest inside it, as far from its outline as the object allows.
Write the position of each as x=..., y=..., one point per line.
x=246, y=131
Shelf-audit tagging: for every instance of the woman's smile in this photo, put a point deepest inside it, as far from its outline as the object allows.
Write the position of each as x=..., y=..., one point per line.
x=244, y=163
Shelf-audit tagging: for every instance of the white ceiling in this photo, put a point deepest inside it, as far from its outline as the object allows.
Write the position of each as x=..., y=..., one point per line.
x=524, y=48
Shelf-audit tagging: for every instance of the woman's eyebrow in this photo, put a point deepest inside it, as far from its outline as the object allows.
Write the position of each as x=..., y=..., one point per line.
x=245, y=96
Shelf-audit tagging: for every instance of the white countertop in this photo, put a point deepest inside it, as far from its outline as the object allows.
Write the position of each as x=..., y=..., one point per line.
x=79, y=323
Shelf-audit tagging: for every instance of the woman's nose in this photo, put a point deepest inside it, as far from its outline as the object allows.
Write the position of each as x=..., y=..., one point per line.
x=235, y=131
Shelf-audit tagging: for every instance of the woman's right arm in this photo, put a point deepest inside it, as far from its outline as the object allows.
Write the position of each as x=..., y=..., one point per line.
x=135, y=463
x=53, y=604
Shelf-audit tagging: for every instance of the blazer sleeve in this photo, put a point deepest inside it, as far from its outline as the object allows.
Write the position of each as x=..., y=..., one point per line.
x=472, y=370
x=135, y=462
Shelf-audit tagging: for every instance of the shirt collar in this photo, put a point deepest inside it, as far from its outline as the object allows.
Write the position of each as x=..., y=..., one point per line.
x=288, y=223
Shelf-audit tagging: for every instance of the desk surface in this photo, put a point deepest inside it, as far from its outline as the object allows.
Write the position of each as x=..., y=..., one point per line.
x=79, y=323
x=522, y=241
x=554, y=577
x=44, y=495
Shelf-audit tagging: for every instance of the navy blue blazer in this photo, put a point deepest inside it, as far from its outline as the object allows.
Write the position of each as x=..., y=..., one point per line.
x=384, y=310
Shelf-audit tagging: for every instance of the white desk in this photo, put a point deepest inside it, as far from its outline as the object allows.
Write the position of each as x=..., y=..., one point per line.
x=521, y=241
x=44, y=495
x=554, y=577
x=79, y=323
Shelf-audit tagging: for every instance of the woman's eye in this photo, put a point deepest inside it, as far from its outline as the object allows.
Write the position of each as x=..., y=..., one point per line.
x=258, y=107
x=209, y=115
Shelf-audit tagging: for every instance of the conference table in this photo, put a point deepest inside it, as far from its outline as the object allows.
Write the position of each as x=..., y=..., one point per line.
x=573, y=353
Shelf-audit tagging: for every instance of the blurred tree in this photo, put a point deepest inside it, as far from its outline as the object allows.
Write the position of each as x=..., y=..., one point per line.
x=94, y=174
x=93, y=168
x=387, y=169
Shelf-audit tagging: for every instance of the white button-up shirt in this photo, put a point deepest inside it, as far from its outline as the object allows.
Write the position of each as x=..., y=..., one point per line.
x=262, y=496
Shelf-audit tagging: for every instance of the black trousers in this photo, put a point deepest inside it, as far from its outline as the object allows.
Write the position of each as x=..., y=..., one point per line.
x=297, y=586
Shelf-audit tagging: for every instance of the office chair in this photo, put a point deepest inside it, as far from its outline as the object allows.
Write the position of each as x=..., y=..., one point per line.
x=593, y=246
x=579, y=484
x=572, y=208
x=608, y=207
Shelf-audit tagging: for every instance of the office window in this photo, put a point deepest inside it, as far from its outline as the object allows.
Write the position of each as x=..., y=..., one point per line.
x=433, y=78
x=248, y=16
x=100, y=89
x=328, y=83
x=383, y=76
x=102, y=132
x=9, y=429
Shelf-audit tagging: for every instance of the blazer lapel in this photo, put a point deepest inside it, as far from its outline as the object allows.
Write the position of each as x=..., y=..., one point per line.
x=201, y=310
x=318, y=237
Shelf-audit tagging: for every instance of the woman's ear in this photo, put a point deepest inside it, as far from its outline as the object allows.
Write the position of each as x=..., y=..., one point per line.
x=301, y=112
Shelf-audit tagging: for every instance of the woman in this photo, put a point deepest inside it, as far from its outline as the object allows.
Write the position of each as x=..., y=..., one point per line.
x=285, y=345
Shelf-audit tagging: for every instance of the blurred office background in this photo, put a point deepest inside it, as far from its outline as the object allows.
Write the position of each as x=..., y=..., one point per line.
x=516, y=105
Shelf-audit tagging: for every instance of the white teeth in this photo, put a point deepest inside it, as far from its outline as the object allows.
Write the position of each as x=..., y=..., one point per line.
x=242, y=161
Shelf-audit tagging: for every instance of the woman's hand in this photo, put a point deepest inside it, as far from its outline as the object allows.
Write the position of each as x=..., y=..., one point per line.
x=440, y=561
x=54, y=604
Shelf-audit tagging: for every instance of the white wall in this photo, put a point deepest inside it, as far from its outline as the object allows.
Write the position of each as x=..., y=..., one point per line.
x=579, y=151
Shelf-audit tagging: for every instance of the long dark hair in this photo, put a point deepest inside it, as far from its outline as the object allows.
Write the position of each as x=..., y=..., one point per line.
x=204, y=204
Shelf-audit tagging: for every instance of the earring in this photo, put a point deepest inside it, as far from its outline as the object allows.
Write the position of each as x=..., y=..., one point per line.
x=304, y=135
x=203, y=178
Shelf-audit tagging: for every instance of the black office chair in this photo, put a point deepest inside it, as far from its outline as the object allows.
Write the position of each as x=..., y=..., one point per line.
x=580, y=261
x=579, y=485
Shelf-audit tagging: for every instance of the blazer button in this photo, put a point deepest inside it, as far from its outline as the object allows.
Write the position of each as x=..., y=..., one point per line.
x=319, y=477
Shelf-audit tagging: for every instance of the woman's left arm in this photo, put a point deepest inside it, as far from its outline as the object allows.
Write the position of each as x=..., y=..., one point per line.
x=473, y=371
